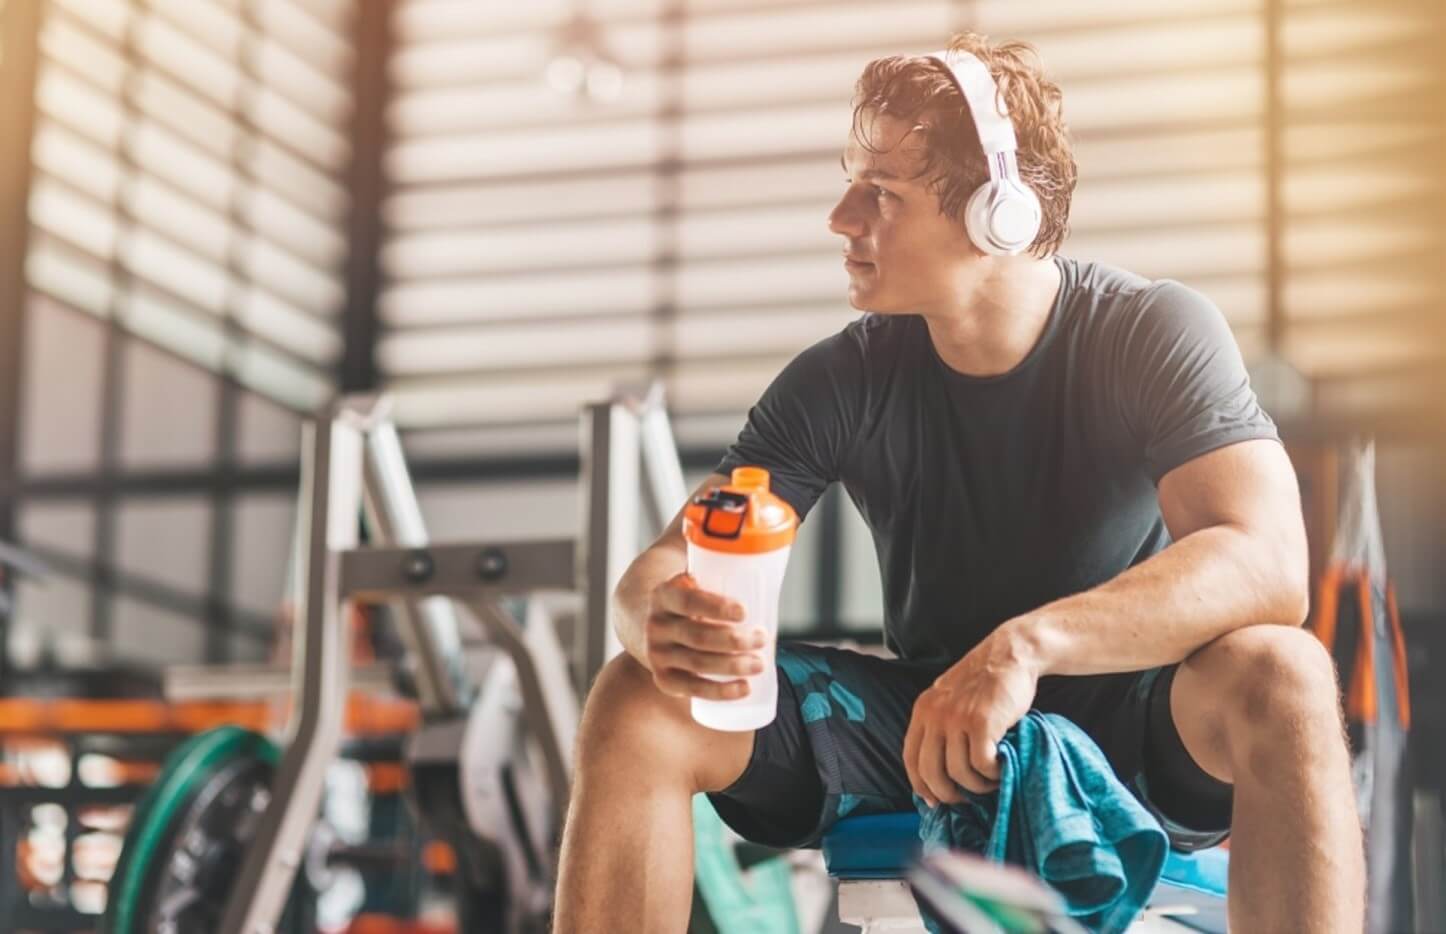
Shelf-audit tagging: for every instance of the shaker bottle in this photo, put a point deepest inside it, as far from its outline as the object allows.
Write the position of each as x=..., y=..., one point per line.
x=739, y=537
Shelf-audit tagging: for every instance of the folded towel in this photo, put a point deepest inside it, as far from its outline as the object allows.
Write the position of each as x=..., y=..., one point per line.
x=1060, y=813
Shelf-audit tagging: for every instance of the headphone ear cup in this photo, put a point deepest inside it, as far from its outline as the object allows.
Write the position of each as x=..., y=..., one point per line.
x=976, y=218
x=1002, y=218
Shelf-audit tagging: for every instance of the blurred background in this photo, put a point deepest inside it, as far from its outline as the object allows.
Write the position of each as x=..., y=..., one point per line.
x=216, y=214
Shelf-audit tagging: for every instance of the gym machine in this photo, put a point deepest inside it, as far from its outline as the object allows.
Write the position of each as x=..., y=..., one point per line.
x=217, y=843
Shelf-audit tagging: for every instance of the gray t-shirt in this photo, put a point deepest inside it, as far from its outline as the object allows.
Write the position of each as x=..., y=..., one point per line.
x=989, y=497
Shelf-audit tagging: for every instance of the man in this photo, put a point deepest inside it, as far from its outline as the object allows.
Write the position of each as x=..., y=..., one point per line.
x=1078, y=506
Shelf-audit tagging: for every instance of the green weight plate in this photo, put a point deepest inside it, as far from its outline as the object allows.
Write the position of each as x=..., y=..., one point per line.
x=199, y=767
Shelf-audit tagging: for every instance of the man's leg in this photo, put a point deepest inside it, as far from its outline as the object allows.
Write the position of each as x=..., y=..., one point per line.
x=1259, y=708
x=627, y=849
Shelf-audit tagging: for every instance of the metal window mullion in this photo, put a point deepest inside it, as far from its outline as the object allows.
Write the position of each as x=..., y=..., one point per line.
x=1275, y=220
x=19, y=55
x=104, y=570
x=219, y=609
x=667, y=173
x=370, y=138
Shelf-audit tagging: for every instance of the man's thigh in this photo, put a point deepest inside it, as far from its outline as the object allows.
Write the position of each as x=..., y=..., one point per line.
x=835, y=747
x=1128, y=716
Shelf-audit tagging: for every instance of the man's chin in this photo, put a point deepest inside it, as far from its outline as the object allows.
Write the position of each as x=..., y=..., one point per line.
x=869, y=301
x=863, y=299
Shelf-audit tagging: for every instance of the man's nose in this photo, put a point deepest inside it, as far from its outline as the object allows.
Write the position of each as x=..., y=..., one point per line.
x=844, y=219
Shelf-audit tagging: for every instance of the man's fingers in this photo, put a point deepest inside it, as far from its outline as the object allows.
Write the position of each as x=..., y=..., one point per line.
x=933, y=770
x=716, y=637
x=962, y=768
x=911, y=760
x=686, y=599
x=679, y=683
x=708, y=663
x=984, y=757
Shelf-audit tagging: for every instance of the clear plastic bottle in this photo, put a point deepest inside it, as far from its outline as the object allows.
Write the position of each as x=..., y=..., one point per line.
x=739, y=537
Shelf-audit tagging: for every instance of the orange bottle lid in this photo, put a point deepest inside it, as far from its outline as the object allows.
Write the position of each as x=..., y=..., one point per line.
x=741, y=517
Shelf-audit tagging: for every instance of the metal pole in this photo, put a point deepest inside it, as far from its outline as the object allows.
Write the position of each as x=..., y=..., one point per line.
x=609, y=536
x=366, y=184
x=429, y=627
x=19, y=55
x=666, y=487
x=540, y=714
x=331, y=487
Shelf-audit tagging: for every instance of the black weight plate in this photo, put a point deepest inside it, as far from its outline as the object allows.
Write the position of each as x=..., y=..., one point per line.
x=183, y=851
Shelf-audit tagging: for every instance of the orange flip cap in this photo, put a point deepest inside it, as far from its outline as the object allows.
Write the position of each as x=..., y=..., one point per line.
x=741, y=517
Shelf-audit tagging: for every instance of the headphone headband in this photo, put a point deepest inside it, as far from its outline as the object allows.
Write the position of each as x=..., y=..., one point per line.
x=986, y=104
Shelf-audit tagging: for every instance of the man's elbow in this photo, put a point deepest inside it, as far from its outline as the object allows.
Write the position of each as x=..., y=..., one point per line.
x=1289, y=583
x=1295, y=601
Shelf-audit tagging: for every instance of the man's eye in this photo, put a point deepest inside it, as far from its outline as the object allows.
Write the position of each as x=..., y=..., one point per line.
x=883, y=192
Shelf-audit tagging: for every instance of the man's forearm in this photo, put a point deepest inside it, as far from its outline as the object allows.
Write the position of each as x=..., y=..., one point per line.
x=1209, y=583
x=634, y=592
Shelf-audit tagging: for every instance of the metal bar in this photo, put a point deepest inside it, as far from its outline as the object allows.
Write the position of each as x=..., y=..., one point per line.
x=273, y=477
x=113, y=384
x=256, y=682
x=223, y=500
x=379, y=574
x=428, y=627
x=609, y=475
x=19, y=33
x=20, y=20
x=331, y=487
x=539, y=713
x=367, y=184
x=667, y=490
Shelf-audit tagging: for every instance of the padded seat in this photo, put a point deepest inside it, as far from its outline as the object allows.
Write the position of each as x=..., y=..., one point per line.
x=881, y=846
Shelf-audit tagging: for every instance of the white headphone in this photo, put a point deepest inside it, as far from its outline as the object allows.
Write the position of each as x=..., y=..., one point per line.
x=1002, y=217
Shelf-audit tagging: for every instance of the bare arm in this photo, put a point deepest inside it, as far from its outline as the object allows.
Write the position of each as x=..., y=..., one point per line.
x=1238, y=559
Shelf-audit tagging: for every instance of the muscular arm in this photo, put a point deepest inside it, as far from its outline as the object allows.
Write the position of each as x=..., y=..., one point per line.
x=1238, y=559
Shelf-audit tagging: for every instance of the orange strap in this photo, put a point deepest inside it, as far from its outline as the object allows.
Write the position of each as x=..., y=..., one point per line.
x=1398, y=647
x=1361, y=698
x=1323, y=619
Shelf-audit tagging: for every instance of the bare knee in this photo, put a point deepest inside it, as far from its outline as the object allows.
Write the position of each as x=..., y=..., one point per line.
x=1275, y=688
x=628, y=723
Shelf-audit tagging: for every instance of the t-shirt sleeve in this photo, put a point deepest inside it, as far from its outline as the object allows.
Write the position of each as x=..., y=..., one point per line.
x=800, y=428
x=1185, y=388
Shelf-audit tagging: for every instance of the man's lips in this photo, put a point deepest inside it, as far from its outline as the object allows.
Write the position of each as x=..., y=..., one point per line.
x=855, y=263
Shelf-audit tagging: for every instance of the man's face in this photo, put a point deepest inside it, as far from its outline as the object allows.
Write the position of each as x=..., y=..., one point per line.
x=902, y=255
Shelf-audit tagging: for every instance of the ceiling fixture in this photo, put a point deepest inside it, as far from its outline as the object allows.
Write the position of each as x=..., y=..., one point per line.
x=582, y=66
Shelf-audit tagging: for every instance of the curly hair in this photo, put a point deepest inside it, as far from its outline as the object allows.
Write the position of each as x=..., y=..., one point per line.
x=921, y=89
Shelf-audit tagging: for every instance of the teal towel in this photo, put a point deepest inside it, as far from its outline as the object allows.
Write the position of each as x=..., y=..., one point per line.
x=1060, y=813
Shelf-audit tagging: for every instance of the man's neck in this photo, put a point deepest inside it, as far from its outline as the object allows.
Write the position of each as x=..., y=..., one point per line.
x=997, y=321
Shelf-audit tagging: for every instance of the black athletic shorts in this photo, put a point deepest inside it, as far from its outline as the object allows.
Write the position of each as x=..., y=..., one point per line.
x=810, y=768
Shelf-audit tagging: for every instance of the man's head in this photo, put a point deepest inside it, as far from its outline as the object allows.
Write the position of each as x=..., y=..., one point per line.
x=913, y=159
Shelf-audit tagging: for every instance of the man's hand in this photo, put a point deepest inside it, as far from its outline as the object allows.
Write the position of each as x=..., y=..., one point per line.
x=958, y=722
x=690, y=633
